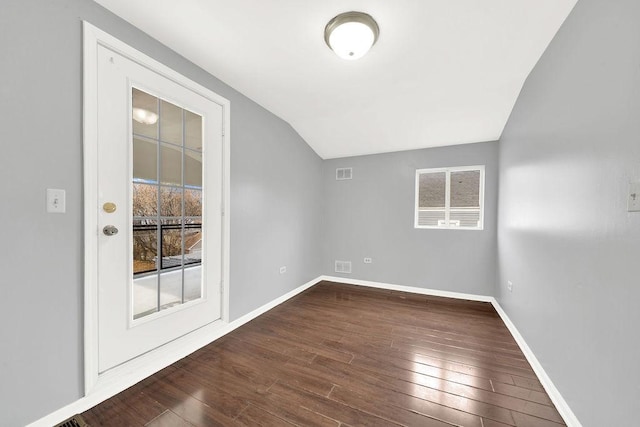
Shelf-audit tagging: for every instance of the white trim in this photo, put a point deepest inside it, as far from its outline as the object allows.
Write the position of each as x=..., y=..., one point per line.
x=411, y=289
x=152, y=362
x=226, y=208
x=92, y=37
x=561, y=405
x=90, y=156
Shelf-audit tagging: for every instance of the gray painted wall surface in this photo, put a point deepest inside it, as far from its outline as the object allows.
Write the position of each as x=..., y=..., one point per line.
x=566, y=240
x=372, y=215
x=275, y=216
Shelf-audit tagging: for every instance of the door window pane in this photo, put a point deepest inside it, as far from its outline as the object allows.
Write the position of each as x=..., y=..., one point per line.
x=192, y=168
x=145, y=245
x=170, y=289
x=145, y=200
x=144, y=115
x=171, y=164
x=193, y=241
x=192, y=203
x=171, y=201
x=145, y=295
x=192, y=283
x=170, y=123
x=193, y=131
x=145, y=160
x=171, y=232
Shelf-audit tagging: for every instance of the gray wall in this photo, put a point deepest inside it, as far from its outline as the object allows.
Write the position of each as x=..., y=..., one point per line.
x=372, y=215
x=566, y=240
x=275, y=217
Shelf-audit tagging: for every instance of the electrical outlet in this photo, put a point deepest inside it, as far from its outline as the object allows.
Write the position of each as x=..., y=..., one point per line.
x=509, y=286
x=283, y=269
x=367, y=260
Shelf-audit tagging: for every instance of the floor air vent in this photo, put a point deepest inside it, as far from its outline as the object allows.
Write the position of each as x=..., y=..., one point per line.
x=75, y=421
x=343, y=266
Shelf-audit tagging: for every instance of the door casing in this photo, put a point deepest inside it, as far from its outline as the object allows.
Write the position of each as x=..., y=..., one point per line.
x=92, y=37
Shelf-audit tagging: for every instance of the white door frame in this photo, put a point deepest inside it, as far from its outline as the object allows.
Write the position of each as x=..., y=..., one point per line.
x=167, y=354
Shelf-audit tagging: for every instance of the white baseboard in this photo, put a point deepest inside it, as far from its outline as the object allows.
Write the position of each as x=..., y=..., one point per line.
x=123, y=377
x=186, y=345
x=411, y=289
x=561, y=405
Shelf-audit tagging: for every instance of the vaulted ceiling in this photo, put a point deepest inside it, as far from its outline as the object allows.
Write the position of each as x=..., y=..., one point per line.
x=443, y=72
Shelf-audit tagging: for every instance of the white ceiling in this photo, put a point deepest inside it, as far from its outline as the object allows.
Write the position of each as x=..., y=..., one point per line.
x=443, y=72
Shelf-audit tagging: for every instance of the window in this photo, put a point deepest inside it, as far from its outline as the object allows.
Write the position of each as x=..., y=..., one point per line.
x=450, y=198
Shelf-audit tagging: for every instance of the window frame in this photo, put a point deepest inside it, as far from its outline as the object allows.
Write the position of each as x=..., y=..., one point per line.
x=447, y=207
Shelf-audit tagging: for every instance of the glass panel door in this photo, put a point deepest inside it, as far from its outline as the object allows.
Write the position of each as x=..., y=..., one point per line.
x=159, y=268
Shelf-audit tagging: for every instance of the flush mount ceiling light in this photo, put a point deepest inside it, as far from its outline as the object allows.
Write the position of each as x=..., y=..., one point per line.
x=351, y=34
x=143, y=116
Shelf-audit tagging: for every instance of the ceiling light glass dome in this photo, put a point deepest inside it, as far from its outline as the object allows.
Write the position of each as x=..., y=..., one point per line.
x=350, y=35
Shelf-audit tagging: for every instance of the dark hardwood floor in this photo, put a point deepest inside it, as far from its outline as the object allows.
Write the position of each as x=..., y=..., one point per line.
x=341, y=355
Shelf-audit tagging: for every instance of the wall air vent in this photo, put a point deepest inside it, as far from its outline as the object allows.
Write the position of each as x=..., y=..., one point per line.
x=344, y=173
x=343, y=267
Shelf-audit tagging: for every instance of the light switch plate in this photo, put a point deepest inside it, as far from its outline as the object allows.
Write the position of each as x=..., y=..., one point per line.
x=634, y=197
x=56, y=201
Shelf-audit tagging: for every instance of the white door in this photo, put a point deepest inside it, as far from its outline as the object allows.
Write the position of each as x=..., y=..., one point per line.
x=159, y=201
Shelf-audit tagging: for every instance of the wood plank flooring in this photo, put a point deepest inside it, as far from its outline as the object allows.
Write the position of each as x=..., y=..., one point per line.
x=342, y=355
